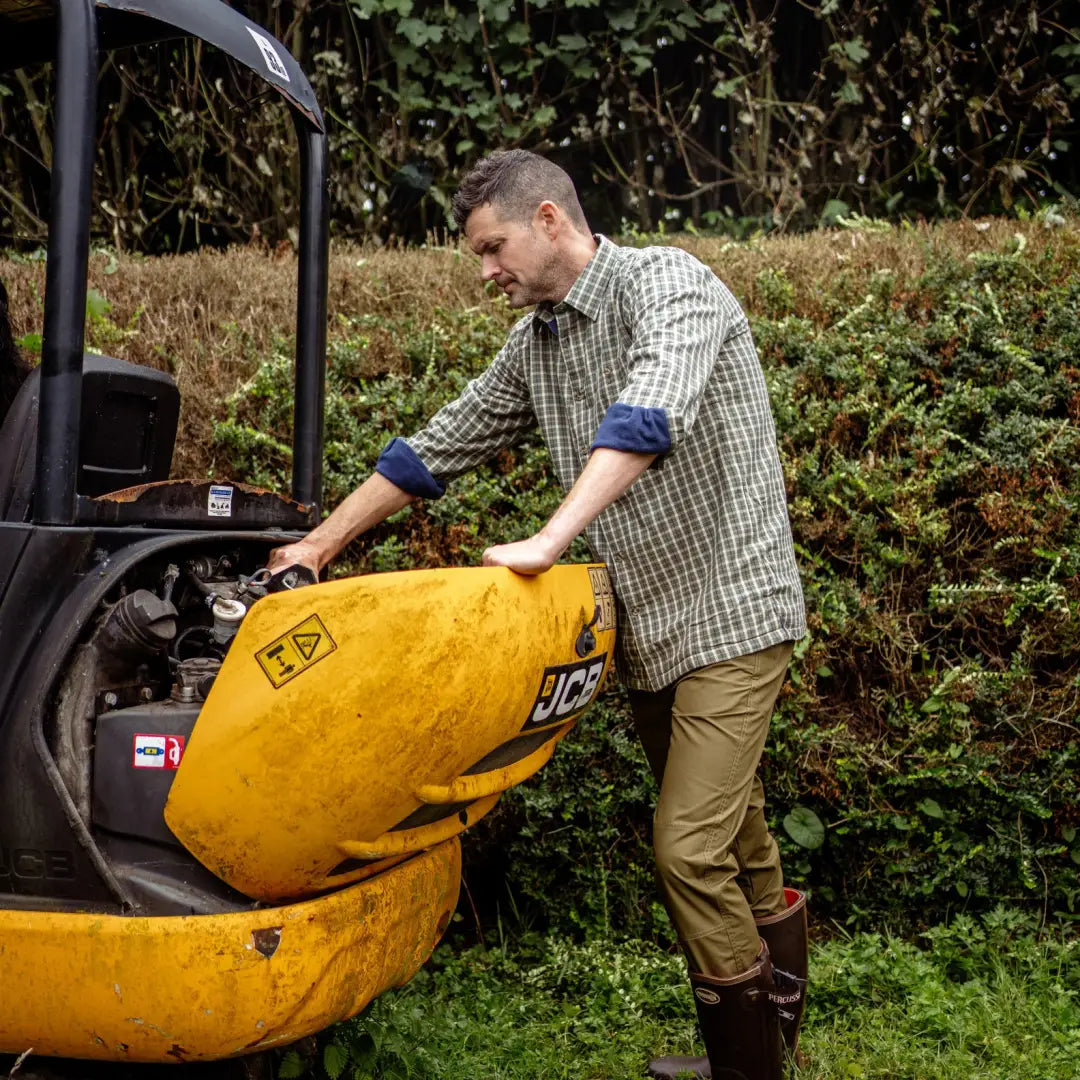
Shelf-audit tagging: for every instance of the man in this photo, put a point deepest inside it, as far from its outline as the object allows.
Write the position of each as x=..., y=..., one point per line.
x=639, y=369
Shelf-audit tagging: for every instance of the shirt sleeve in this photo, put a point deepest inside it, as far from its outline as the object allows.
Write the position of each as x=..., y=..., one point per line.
x=678, y=315
x=494, y=411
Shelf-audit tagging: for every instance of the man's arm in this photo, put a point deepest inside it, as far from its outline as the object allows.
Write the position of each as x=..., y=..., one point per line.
x=605, y=477
x=372, y=502
x=492, y=412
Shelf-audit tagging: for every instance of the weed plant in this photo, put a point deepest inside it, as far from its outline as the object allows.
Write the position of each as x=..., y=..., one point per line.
x=986, y=999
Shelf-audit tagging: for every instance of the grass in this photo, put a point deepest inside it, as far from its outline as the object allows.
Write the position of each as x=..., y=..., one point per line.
x=993, y=999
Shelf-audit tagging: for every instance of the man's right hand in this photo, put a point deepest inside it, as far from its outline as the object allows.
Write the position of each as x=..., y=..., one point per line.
x=302, y=553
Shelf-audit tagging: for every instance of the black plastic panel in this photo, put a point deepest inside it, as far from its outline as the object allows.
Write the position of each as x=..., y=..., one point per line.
x=136, y=753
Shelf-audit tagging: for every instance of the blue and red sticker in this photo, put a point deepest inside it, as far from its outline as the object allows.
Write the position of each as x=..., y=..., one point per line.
x=157, y=751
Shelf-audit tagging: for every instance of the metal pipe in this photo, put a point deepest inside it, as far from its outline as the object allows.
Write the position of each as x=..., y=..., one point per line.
x=68, y=252
x=310, y=384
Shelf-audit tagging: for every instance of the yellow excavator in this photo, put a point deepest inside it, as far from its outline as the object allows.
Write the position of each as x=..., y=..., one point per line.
x=230, y=800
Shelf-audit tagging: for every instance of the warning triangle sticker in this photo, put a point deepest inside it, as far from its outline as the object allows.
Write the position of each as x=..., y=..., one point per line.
x=307, y=644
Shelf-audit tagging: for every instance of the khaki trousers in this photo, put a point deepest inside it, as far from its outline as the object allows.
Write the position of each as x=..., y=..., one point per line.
x=717, y=864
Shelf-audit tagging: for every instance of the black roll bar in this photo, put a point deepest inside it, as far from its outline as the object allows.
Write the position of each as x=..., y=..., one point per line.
x=311, y=286
x=63, y=340
x=68, y=251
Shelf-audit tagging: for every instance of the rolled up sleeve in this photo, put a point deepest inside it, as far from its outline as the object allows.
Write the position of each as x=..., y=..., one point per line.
x=678, y=321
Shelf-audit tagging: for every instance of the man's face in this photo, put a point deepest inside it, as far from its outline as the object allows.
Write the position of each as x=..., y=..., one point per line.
x=521, y=259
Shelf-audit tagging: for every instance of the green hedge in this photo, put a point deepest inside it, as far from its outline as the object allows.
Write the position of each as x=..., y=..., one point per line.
x=929, y=430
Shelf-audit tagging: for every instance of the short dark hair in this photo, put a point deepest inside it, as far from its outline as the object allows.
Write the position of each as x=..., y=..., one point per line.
x=517, y=182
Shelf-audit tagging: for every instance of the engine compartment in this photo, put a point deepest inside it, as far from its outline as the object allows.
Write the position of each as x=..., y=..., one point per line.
x=130, y=698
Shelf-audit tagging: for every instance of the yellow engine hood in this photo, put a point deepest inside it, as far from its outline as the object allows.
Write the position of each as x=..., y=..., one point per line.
x=343, y=710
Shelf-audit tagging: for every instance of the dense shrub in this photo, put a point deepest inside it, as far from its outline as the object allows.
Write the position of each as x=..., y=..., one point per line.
x=928, y=402
x=930, y=437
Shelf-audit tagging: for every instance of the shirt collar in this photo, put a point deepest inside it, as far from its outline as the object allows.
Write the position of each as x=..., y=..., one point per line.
x=588, y=292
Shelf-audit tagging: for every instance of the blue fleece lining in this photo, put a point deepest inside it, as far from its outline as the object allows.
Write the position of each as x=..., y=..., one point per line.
x=634, y=428
x=401, y=465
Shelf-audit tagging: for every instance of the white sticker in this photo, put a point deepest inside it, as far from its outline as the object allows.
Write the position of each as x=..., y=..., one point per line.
x=270, y=55
x=219, y=501
x=157, y=751
x=149, y=752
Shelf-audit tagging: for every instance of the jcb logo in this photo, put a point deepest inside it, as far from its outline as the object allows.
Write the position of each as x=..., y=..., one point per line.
x=33, y=863
x=565, y=690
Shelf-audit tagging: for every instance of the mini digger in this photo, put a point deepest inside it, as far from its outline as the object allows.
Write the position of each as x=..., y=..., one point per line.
x=230, y=801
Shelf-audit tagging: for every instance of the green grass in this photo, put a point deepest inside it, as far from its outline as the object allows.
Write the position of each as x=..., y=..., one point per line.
x=981, y=1000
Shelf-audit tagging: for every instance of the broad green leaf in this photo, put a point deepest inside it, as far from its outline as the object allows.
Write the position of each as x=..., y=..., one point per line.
x=97, y=306
x=805, y=828
x=931, y=809
x=962, y=888
x=517, y=33
x=572, y=42
x=544, y=115
x=335, y=1058
x=292, y=1066
x=30, y=343
x=837, y=208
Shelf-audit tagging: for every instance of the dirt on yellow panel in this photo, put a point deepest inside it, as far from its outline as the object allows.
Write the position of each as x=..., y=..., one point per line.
x=343, y=708
x=203, y=987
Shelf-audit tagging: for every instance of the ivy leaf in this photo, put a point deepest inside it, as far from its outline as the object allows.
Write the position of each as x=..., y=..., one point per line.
x=849, y=93
x=419, y=33
x=623, y=20
x=931, y=809
x=855, y=50
x=1068, y=834
x=805, y=828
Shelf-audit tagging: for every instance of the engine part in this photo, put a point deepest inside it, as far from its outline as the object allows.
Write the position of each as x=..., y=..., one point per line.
x=139, y=623
x=228, y=615
x=194, y=678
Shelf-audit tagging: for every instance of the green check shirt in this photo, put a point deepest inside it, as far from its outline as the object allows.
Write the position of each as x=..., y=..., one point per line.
x=699, y=548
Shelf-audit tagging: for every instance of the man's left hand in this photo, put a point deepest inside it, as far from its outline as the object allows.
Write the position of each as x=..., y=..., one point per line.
x=532, y=556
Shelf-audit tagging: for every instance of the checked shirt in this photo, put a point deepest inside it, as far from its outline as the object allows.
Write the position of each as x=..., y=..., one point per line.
x=699, y=549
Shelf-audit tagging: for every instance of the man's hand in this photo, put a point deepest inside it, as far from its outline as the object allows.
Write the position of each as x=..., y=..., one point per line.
x=532, y=556
x=302, y=553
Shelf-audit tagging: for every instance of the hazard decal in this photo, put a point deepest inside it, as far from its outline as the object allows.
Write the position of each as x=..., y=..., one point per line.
x=604, y=597
x=565, y=690
x=295, y=651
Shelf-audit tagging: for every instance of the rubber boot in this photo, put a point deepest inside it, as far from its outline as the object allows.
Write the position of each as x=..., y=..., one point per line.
x=739, y=1024
x=785, y=935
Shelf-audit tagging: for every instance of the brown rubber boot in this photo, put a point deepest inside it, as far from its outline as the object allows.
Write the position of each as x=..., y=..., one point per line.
x=739, y=1023
x=785, y=935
